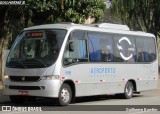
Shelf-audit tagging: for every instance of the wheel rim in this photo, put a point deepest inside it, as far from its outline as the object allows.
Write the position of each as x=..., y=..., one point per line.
x=129, y=90
x=65, y=95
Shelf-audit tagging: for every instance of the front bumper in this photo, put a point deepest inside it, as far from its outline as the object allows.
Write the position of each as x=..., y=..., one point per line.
x=43, y=88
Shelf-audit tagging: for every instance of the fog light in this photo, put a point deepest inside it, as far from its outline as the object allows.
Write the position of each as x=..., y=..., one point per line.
x=5, y=77
x=43, y=87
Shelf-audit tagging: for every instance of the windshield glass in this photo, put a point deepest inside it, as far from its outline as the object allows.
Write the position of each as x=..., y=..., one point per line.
x=36, y=49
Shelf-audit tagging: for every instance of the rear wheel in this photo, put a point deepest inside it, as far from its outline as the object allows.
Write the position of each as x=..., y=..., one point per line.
x=17, y=99
x=128, y=91
x=65, y=95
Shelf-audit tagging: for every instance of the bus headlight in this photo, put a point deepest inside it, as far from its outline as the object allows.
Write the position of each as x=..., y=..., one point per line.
x=5, y=77
x=50, y=77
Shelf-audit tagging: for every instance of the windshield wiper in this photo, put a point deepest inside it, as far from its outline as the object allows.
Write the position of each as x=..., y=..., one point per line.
x=16, y=61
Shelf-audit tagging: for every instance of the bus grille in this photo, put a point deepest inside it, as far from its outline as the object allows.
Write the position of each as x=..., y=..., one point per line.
x=25, y=87
x=24, y=78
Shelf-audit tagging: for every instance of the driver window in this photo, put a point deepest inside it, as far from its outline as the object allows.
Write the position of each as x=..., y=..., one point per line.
x=76, y=49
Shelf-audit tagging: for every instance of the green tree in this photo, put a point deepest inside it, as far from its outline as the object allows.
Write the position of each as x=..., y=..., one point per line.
x=14, y=18
x=78, y=11
x=138, y=14
x=44, y=11
x=50, y=11
x=6, y=12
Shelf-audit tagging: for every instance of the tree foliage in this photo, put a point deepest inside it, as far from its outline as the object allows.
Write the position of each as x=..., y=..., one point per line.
x=139, y=14
x=36, y=12
x=50, y=11
x=79, y=11
x=13, y=18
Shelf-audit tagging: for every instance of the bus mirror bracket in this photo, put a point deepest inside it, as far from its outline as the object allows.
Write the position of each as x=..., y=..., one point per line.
x=71, y=46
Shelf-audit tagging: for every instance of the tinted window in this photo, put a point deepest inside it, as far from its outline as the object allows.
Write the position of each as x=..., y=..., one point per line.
x=76, y=50
x=125, y=50
x=100, y=47
x=145, y=49
x=105, y=47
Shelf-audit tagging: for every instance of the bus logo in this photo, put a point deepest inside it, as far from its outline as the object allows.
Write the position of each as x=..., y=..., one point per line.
x=120, y=48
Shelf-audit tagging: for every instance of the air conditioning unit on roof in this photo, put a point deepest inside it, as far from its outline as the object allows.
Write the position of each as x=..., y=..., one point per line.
x=112, y=26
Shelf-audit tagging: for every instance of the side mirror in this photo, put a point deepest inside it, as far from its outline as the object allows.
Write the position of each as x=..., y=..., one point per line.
x=71, y=46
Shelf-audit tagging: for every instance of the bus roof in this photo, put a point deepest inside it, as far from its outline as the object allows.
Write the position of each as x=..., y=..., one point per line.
x=103, y=27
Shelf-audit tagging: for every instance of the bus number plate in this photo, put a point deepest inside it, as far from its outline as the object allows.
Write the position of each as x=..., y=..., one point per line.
x=23, y=92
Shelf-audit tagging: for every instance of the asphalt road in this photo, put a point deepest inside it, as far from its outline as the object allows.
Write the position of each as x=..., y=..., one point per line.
x=149, y=101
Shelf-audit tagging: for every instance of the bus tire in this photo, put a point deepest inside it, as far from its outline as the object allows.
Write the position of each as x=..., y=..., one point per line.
x=65, y=95
x=128, y=91
x=17, y=99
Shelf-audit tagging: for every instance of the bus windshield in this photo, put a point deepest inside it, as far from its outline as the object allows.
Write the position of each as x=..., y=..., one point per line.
x=36, y=49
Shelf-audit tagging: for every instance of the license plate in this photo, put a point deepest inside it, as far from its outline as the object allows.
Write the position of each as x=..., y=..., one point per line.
x=23, y=92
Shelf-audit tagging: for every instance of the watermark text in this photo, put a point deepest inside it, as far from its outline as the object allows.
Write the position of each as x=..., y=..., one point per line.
x=22, y=2
x=20, y=109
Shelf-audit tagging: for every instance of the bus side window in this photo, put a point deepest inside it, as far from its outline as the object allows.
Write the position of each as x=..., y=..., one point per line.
x=152, y=55
x=100, y=47
x=145, y=49
x=140, y=55
x=107, y=49
x=76, y=49
x=152, y=50
x=94, y=48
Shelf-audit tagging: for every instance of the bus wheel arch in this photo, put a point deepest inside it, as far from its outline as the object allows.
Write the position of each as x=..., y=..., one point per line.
x=66, y=93
x=73, y=89
x=134, y=85
x=129, y=88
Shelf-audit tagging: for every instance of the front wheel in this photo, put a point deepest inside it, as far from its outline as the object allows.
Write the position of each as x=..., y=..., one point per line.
x=128, y=91
x=65, y=95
